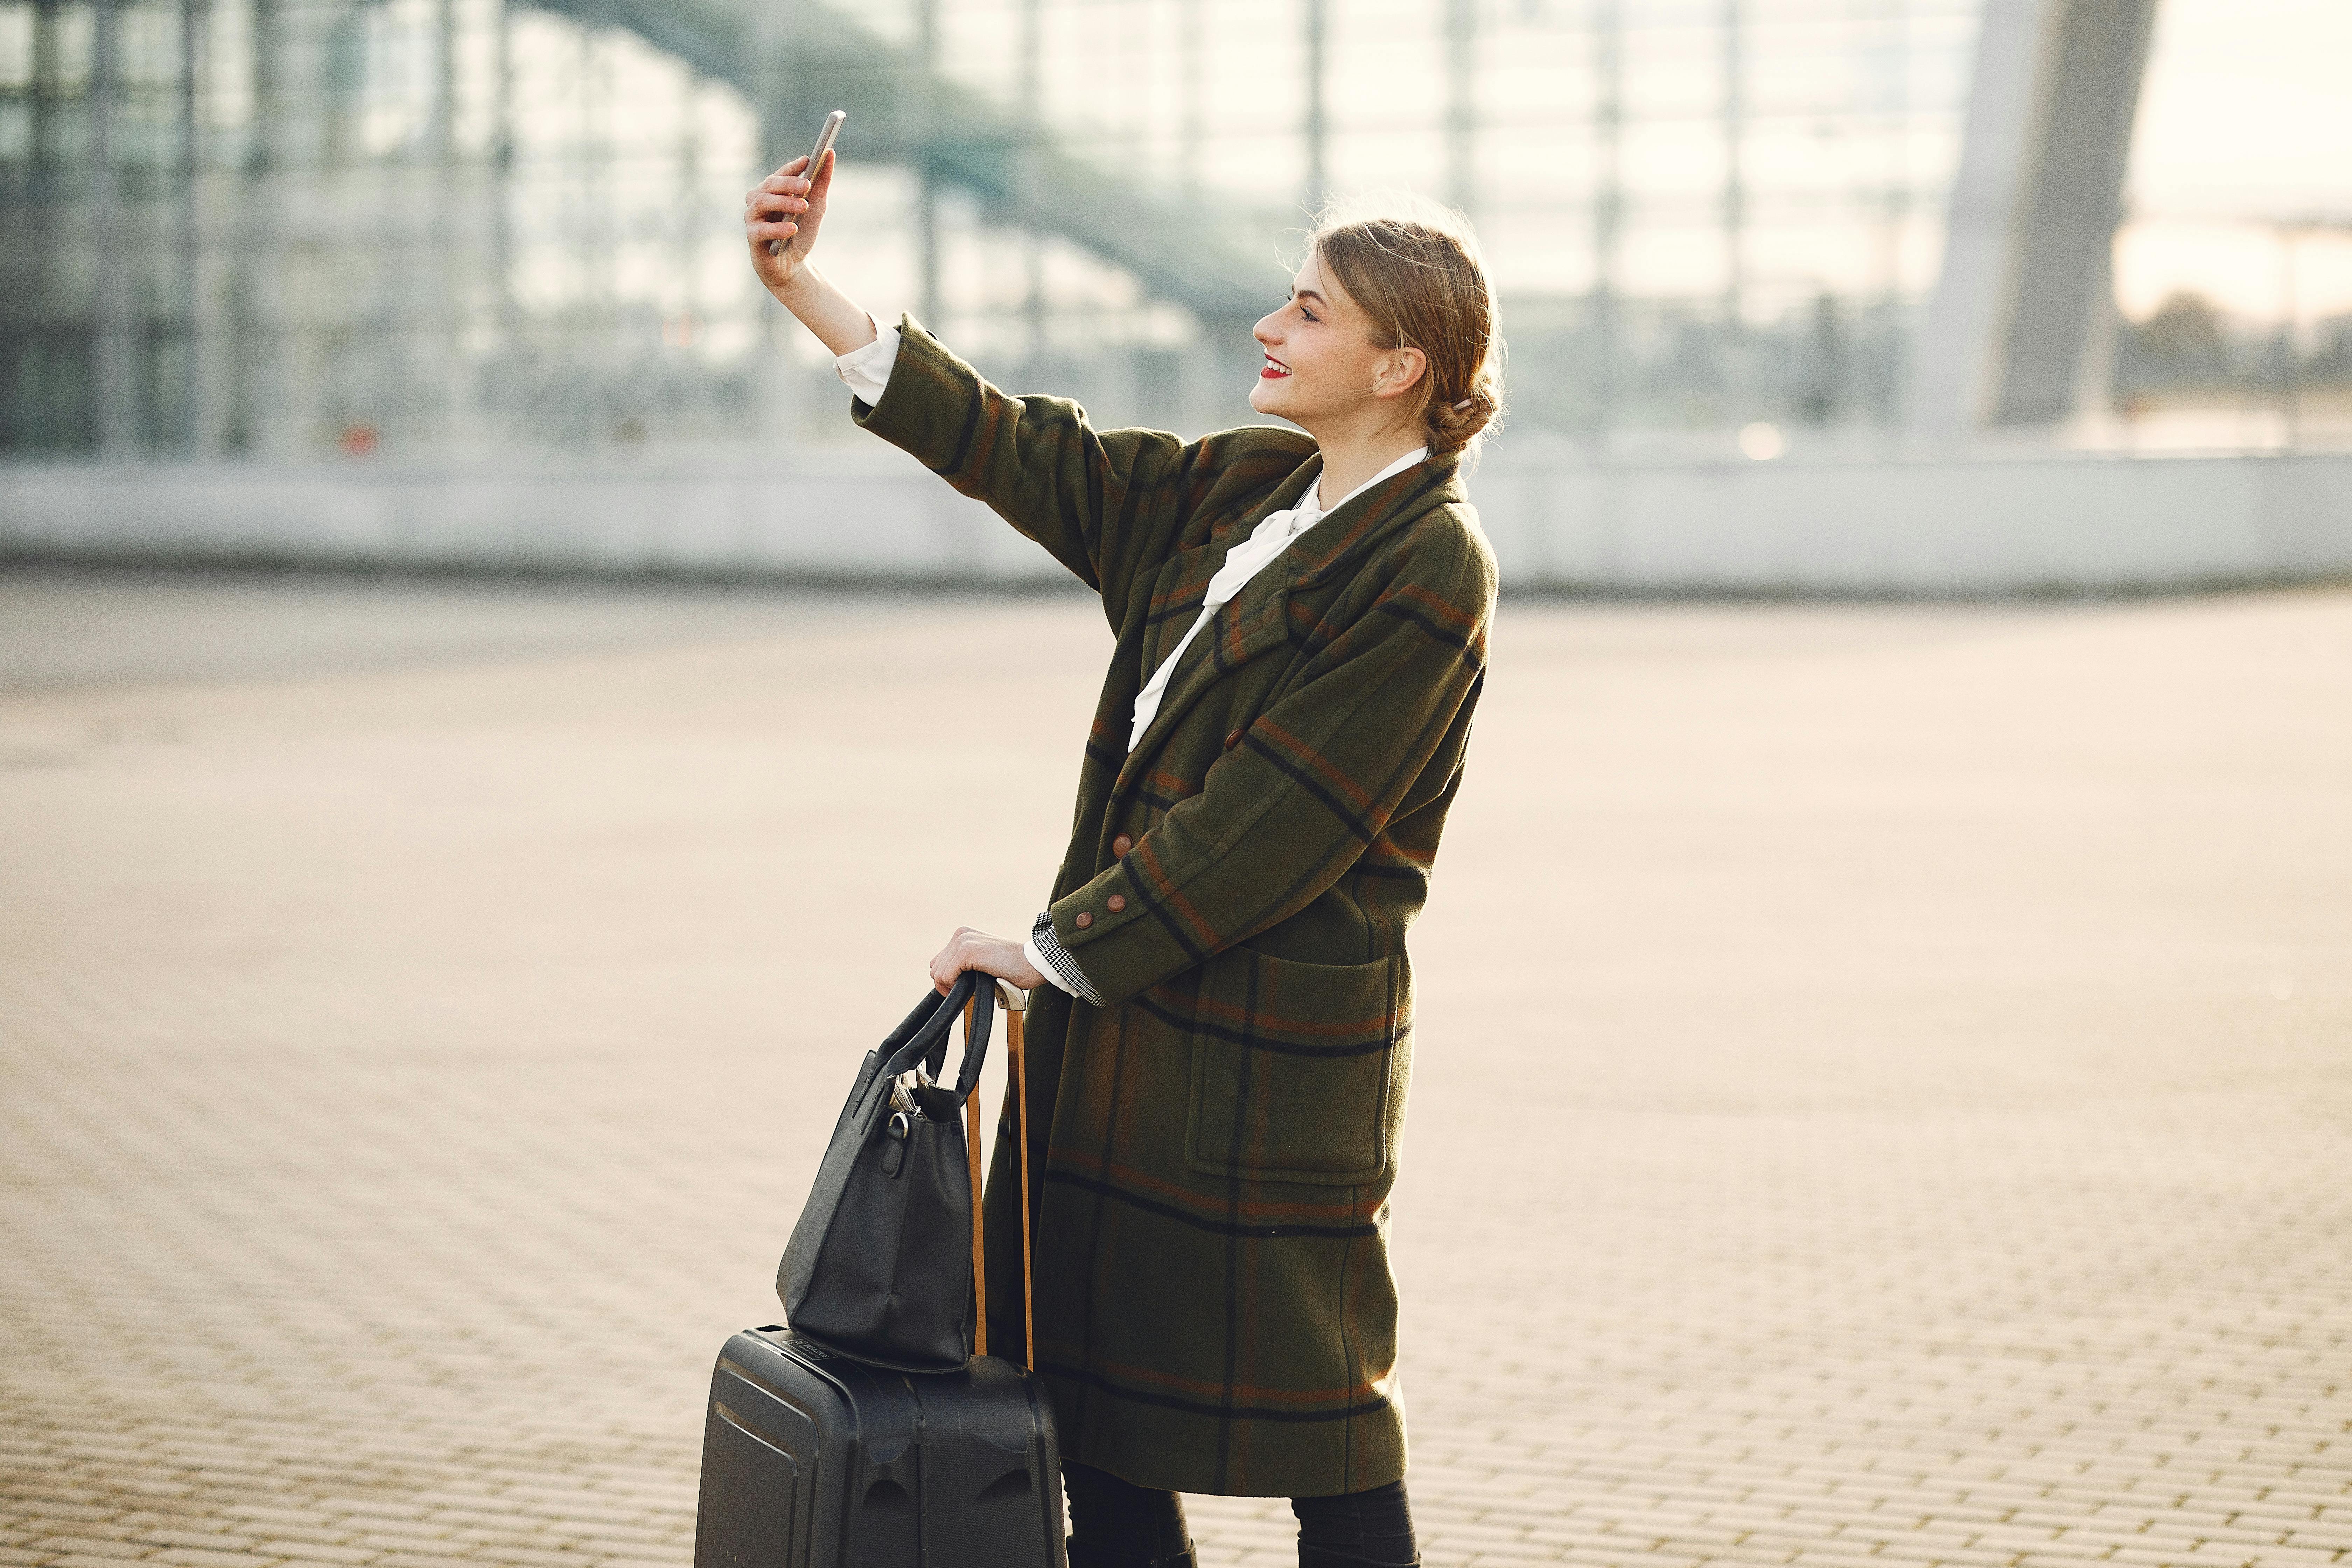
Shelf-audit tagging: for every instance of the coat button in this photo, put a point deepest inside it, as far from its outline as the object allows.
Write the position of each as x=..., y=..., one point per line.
x=1232, y=740
x=1084, y=921
x=1120, y=845
x=1118, y=902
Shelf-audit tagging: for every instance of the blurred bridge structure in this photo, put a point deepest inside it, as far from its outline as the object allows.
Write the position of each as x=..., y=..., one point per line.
x=234, y=255
x=1798, y=298
x=795, y=64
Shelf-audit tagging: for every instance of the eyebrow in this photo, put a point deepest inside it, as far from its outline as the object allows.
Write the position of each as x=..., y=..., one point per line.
x=1310, y=294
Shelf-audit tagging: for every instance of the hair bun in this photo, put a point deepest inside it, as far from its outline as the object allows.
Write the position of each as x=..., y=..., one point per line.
x=1452, y=426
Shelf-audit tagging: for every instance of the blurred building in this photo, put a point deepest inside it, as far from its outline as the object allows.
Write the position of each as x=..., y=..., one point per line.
x=480, y=231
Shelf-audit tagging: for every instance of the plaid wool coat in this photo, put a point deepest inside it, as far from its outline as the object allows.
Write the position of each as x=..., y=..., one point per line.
x=1214, y=1307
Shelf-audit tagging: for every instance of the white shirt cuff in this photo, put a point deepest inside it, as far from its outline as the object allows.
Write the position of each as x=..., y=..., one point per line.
x=867, y=371
x=1037, y=962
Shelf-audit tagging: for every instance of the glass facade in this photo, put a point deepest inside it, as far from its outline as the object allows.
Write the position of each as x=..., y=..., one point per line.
x=294, y=227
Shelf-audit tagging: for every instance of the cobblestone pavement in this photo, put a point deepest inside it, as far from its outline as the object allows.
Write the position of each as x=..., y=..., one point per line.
x=1884, y=1074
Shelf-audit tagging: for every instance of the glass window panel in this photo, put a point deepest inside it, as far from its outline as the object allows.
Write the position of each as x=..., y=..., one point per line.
x=1672, y=260
x=1536, y=252
x=16, y=28
x=73, y=42
x=1674, y=160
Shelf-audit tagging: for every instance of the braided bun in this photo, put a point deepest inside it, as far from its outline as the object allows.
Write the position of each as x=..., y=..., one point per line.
x=1453, y=426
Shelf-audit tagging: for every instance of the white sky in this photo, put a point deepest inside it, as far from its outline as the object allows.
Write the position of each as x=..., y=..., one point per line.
x=2246, y=114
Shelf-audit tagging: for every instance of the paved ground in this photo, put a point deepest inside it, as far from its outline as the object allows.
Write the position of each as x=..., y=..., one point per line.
x=1885, y=1074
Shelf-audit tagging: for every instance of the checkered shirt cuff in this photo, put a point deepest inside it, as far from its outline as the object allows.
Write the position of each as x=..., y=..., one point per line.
x=1054, y=961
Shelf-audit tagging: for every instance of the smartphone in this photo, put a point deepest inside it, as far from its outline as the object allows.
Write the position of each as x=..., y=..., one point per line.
x=824, y=145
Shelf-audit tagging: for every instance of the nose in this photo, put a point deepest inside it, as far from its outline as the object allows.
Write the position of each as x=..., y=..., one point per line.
x=1268, y=329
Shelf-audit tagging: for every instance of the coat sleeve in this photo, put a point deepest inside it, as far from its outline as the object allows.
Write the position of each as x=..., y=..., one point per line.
x=1284, y=813
x=1108, y=504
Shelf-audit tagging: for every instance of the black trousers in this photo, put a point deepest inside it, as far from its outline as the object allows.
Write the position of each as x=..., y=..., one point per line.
x=1116, y=1524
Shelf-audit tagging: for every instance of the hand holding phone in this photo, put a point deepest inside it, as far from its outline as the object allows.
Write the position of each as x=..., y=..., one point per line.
x=789, y=206
x=816, y=157
x=781, y=216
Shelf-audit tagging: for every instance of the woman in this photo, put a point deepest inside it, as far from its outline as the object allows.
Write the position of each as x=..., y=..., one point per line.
x=1220, y=1038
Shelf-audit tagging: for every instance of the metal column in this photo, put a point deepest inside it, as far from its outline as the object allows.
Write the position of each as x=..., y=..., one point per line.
x=1318, y=127
x=117, y=368
x=1608, y=201
x=1734, y=173
x=2024, y=304
x=1462, y=104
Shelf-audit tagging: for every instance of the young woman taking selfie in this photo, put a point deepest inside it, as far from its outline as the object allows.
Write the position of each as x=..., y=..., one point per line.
x=1221, y=1037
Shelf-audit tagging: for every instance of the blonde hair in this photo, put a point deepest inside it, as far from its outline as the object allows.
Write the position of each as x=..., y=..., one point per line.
x=1414, y=267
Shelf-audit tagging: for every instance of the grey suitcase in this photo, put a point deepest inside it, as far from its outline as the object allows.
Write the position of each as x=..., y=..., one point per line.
x=814, y=1459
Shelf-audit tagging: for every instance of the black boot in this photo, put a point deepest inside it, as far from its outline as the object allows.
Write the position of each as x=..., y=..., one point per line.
x=1322, y=1557
x=1084, y=1556
x=1370, y=1529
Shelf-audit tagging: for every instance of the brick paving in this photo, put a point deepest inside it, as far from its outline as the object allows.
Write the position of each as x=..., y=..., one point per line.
x=1884, y=1085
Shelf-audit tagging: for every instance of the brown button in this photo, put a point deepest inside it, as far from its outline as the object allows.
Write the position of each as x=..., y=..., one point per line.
x=1120, y=845
x=1117, y=903
x=1083, y=920
x=1232, y=740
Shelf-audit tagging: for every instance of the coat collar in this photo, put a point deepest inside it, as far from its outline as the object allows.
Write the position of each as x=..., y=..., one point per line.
x=1364, y=519
x=1257, y=620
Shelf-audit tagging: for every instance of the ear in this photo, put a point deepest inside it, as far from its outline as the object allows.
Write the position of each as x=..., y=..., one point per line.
x=1401, y=370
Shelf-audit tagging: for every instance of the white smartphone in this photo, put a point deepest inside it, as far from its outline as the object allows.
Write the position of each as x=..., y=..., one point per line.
x=824, y=145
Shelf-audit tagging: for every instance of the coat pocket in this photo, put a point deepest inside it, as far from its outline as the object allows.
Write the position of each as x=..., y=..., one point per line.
x=1298, y=1068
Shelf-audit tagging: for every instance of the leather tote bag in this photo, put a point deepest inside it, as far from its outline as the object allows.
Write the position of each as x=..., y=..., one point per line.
x=879, y=1266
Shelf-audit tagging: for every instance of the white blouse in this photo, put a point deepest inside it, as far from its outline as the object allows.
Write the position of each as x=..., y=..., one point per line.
x=867, y=371
x=1243, y=562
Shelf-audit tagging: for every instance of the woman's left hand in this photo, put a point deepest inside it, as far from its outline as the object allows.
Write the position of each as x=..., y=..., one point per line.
x=969, y=949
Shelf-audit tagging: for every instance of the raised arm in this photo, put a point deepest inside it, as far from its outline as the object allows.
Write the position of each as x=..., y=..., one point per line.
x=1110, y=505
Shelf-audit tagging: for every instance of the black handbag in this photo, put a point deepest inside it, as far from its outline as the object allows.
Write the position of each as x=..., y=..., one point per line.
x=880, y=1266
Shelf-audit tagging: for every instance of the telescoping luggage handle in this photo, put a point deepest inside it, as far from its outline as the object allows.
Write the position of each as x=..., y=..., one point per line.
x=1017, y=1006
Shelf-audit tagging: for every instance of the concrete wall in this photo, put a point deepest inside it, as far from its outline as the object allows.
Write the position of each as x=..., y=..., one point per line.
x=2069, y=524
x=1985, y=525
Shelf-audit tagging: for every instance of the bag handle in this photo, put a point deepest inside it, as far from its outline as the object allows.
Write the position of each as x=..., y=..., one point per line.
x=923, y=1035
x=986, y=1008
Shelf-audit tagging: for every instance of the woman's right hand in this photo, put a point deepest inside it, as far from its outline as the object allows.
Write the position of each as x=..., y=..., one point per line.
x=788, y=207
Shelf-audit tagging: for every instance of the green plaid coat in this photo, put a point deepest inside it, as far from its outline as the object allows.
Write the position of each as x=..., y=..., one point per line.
x=1218, y=1138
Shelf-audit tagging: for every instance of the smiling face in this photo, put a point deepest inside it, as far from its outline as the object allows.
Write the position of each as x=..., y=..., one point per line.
x=1326, y=370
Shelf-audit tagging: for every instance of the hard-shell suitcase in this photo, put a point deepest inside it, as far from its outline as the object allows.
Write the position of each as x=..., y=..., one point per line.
x=811, y=1458
x=814, y=1459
